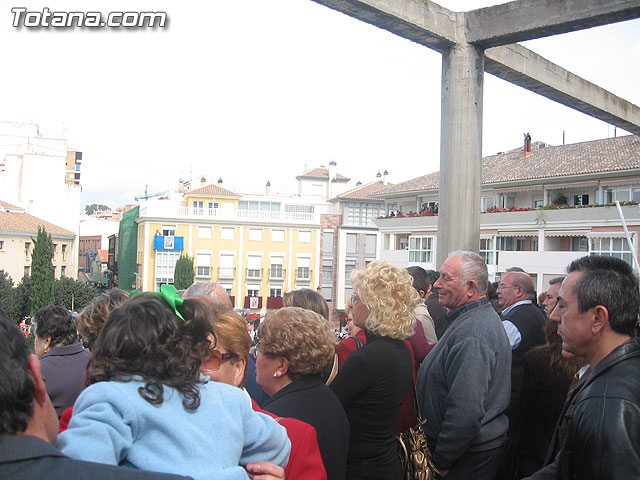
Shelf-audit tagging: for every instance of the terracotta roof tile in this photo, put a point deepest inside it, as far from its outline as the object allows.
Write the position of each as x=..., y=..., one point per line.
x=213, y=190
x=23, y=222
x=322, y=174
x=361, y=192
x=593, y=157
x=10, y=207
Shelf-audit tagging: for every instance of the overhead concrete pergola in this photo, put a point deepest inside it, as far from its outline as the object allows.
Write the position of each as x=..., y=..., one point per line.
x=485, y=40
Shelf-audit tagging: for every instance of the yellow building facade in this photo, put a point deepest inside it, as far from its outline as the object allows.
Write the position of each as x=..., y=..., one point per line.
x=256, y=247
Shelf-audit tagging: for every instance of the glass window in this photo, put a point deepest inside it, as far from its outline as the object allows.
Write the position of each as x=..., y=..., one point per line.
x=582, y=199
x=226, y=266
x=304, y=268
x=203, y=264
x=253, y=292
x=371, y=244
x=276, y=268
x=165, y=267
x=420, y=249
x=254, y=266
x=488, y=202
x=354, y=211
x=352, y=242
x=579, y=244
x=275, y=291
x=327, y=242
x=614, y=247
x=487, y=251
x=168, y=230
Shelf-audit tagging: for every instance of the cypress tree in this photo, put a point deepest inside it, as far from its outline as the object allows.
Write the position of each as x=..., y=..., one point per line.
x=184, y=274
x=42, y=276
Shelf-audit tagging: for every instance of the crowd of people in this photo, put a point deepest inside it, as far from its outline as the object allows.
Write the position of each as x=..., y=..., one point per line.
x=167, y=385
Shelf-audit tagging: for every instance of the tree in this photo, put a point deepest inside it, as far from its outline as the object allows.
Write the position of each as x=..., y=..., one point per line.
x=184, y=274
x=22, y=299
x=42, y=274
x=72, y=294
x=6, y=295
x=94, y=207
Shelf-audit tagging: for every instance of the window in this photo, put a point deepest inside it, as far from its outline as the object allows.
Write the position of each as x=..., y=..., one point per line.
x=487, y=251
x=275, y=291
x=226, y=266
x=204, y=232
x=580, y=200
x=27, y=270
x=1, y=244
x=253, y=292
x=420, y=249
x=613, y=247
x=327, y=242
x=304, y=268
x=254, y=269
x=227, y=233
x=304, y=236
x=276, y=271
x=520, y=244
x=165, y=267
x=508, y=201
x=55, y=248
x=298, y=208
x=27, y=248
x=624, y=194
x=327, y=279
x=212, y=205
x=352, y=243
x=55, y=271
x=262, y=206
x=277, y=235
x=227, y=288
x=371, y=243
x=203, y=264
x=353, y=213
x=63, y=270
x=488, y=202
x=198, y=206
x=579, y=244
x=538, y=203
x=255, y=235
x=167, y=231
x=349, y=266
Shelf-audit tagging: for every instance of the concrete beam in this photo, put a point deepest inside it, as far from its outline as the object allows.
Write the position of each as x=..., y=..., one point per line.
x=522, y=20
x=520, y=66
x=426, y=23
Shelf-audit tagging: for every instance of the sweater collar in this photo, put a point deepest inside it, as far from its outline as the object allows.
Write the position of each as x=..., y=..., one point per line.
x=456, y=312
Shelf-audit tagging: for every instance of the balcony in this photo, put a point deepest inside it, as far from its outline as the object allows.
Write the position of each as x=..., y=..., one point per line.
x=274, y=302
x=226, y=273
x=276, y=272
x=161, y=242
x=254, y=274
x=252, y=302
x=548, y=262
x=237, y=216
x=303, y=274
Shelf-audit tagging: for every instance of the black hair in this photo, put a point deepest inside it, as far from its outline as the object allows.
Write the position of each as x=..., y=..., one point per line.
x=145, y=337
x=432, y=276
x=610, y=282
x=57, y=323
x=16, y=385
x=420, y=279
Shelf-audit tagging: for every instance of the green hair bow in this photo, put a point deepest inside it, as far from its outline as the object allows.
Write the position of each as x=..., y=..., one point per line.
x=170, y=295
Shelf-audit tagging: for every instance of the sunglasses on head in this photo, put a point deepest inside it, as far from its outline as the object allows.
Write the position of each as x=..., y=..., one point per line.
x=216, y=359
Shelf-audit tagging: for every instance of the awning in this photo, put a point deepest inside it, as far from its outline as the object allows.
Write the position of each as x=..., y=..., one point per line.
x=619, y=234
x=529, y=233
x=566, y=233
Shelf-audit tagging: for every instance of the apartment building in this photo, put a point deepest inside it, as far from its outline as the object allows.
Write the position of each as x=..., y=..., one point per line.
x=543, y=206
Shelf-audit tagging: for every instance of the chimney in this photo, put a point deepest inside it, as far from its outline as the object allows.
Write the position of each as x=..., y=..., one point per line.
x=220, y=181
x=378, y=175
x=527, y=145
x=268, y=191
x=385, y=177
x=203, y=181
x=332, y=177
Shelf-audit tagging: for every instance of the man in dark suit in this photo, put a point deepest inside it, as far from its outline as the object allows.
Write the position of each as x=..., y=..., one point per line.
x=524, y=324
x=29, y=424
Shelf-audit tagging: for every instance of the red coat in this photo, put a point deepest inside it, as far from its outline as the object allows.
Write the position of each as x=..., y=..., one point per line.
x=305, y=462
x=347, y=346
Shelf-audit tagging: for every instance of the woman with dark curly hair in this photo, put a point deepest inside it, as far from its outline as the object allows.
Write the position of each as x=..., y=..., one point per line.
x=374, y=380
x=62, y=356
x=147, y=406
x=295, y=345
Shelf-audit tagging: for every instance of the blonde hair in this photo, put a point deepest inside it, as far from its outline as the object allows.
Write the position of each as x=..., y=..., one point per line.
x=388, y=293
x=92, y=317
x=231, y=331
x=301, y=336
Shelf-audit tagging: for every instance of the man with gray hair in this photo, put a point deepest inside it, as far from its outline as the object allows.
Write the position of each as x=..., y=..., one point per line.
x=214, y=291
x=464, y=383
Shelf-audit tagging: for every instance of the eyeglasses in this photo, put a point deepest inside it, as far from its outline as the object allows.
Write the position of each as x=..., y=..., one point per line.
x=216, y=360
x=502, y=286
x=355, y=298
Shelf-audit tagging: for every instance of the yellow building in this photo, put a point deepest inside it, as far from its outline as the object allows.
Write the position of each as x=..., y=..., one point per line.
x=256, y=246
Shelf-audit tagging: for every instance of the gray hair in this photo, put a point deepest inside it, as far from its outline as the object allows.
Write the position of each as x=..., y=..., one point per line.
x=555, y=280
x=472, y=268
x=523, y=280
x=212, y=290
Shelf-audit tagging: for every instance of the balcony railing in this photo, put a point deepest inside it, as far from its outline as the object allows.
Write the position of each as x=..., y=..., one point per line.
x=254, y=273
x=226, y=272
x=303, y=274
x=228, y=214
x=276, y=272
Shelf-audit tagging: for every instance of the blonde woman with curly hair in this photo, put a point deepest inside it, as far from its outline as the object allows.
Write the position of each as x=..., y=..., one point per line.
x=295, y=346
x=375, y=379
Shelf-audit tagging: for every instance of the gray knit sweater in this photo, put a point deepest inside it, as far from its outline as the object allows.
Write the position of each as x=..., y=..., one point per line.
x=464, y=385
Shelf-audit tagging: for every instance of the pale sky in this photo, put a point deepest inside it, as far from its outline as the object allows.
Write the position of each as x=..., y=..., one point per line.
x=256, y=90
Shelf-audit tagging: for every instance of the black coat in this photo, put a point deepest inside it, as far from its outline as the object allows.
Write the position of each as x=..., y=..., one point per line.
x=311, y=401
x=23, y=457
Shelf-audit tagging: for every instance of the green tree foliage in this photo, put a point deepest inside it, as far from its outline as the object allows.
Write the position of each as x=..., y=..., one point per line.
x=72, y=294
x=42, y=275
x=95, y=207
x=22, y=299
x=184, y=274
x=6, y=295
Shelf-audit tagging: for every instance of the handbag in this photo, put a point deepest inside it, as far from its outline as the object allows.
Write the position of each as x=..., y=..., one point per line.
x=414, y=453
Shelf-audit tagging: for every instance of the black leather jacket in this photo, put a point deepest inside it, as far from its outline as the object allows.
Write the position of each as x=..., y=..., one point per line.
x=598, y=435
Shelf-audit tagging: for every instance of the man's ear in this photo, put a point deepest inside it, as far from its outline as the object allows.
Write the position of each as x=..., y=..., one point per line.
x=40, y=394
x=599, y=318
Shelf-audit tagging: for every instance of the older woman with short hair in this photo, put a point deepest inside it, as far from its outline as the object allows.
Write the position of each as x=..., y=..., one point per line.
x=63, y=358
x=92, y=317
x=375, y=379
x=295, y=345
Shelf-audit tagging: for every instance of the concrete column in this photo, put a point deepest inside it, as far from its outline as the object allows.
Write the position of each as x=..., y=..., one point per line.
x=460, y=150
